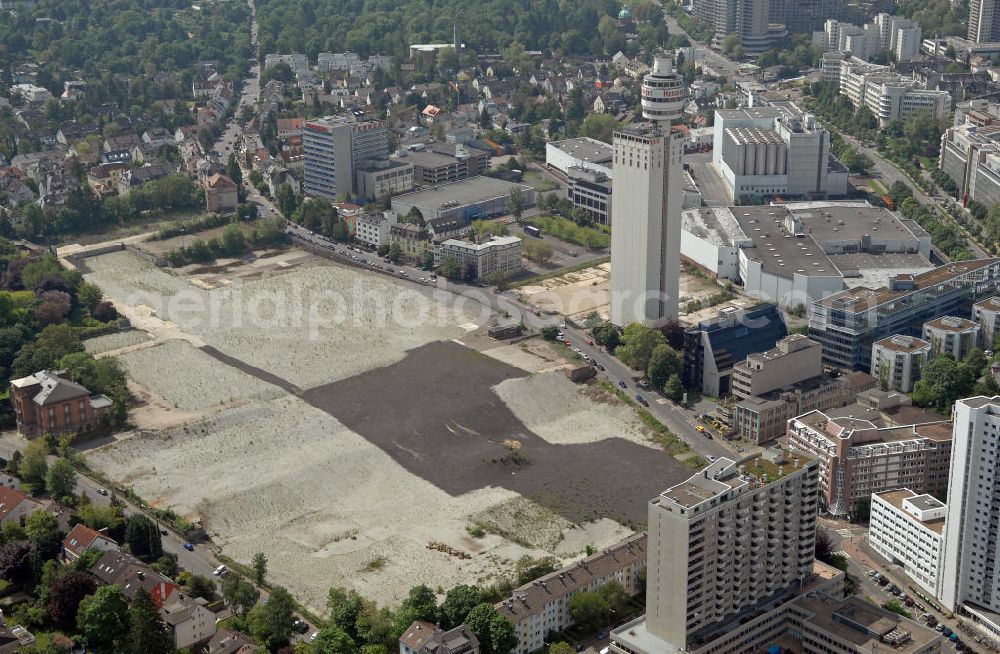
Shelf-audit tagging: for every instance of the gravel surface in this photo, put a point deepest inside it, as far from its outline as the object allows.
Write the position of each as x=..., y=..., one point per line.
x=114, y=341
x=189, y=379
x=564, y=413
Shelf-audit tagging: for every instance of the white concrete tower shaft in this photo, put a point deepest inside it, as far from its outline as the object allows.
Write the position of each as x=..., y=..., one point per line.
x=646, y=205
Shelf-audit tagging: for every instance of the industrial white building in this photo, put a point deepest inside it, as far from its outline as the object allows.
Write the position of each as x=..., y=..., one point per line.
x=645, y=243
x=906, y=528
x=581, y=152
x=888, y=95
x=768, y=152
x=898, y=360
x=797, y=252
x=970, y=151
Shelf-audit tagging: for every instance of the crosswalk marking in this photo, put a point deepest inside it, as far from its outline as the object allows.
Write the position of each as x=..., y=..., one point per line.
x=843, y=554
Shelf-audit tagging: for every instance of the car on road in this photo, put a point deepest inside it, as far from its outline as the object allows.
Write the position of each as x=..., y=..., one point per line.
x=699, y=428
x=711, y=459
x=189, y=547
x=299, y=626
x=601, y=368
x=641, y=400
x=622, y=384
x=602, y=634
x=102, y=491
x=220, y=571
x=314, y=636
x=590, y=341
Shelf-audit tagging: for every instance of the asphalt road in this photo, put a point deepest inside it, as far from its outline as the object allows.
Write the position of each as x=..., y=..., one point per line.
x=704, y=55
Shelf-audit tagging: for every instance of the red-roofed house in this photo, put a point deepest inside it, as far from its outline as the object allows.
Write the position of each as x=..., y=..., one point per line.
x=46, y=402
x=289, y=127
x=83, y=539
x=221, y=194
x=15, y=506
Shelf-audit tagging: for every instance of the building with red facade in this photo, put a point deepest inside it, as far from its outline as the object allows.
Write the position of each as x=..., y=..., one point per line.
x=48, y=403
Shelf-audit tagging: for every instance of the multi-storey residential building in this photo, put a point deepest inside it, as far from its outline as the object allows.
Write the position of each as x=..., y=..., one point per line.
x=48, y=403
x=336, y=147
x=886, y=32
x=888, y=95
x=726, y=540
x=430, y=168
x=542, y=606
x=425, y=638
x=984, y=21
x=969, y=572
x=951, y=335
x=846, y=324
x=748, y=19
x=500, y=255
x=795, y=358
x=857, y=458
x=898, y=360
x=970, y=151
x=372, y=228
x=645, y=244
x=987, y=314
x=712, y=348
x=906, y=528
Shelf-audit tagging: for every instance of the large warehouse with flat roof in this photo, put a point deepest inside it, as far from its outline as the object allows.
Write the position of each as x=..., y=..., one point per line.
x=582, y=152
x=795, y=253
x=468, y=199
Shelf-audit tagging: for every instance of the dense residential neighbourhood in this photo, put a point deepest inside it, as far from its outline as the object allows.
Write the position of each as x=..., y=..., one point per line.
x=499, y=327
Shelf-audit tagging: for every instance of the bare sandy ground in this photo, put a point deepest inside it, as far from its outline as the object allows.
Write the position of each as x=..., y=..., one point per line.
x=325, y=506
x=267, y=472
x=310, y=327
x=564, y=413
x=115, y=341
x=190, y=380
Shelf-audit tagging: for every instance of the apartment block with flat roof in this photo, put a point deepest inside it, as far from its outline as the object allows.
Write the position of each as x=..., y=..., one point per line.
x=846, y=324
x=500, y=255
x=987, y=314
x=335, y=148
x=897, y=361
x=951, y=335
x=906, y=528
x=857, y=457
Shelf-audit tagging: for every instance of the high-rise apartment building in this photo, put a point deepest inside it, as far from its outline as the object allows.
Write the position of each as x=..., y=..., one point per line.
x=751, y=20
x=984, y=21
x=335, y=148
x=970, y=575
x=645, y=244
x=731, y=536
x=987, y=314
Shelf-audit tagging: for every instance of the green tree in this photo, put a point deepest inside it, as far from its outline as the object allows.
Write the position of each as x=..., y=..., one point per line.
x=39, y=525
x=515, y=201
x=147, y=634
x=89, y=295
x=395, y=253
x=143, y=538
x=35, y=466
x=201, y=586
x=599, y=126
x=233, y=170
x=503, y=638
x=239, y=594
x=561, y=648
x=538, y=251
x=333, y=640
x=233, y=240
x=288, y=202
x=345, y=606
x=103, y=619
x=664, y=362
x=259, y=566
x=61, y=478
x=479, y=621
x=271, y=623
x=420, y=604
x=605, y=334
x=549, y=333
x=457, y=604
x=588, y=609
x=674, y=388
x=637, y=344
